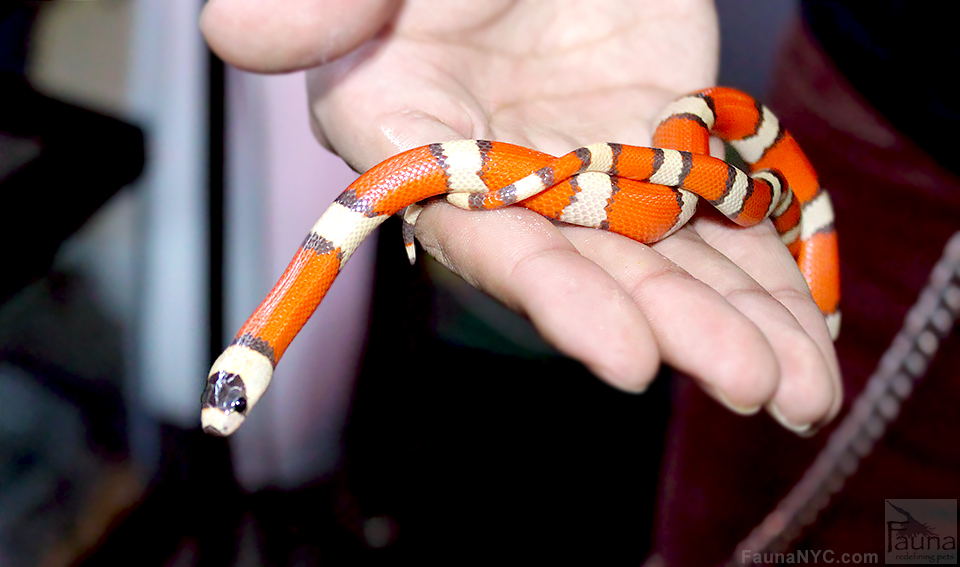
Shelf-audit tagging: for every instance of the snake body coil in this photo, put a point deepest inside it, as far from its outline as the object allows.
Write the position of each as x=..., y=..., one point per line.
x=643, y=193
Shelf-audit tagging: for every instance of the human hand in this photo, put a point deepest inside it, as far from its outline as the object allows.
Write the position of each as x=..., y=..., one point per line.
x=723, y=304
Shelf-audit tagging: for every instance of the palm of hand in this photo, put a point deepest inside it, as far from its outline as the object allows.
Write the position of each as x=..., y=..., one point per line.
x=525, y=73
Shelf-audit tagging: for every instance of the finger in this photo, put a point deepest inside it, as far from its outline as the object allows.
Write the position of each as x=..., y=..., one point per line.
x=523, y=260
x=267, y=37
x=811, y=391
x=698, y=331
x=804, y=393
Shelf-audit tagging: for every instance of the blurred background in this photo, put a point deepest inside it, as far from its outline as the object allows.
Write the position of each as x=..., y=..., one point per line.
x=151, y=197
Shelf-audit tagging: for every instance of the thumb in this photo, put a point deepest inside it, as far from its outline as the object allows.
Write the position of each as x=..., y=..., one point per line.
x=266, y=36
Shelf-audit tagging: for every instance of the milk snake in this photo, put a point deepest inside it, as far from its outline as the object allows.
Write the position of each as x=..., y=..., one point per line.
x=643, y=193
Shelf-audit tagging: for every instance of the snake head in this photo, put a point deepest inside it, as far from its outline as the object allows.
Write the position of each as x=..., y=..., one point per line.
x=235, y=382
x=224, y=403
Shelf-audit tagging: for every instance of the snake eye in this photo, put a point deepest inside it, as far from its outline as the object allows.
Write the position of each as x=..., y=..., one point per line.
x=240, y=405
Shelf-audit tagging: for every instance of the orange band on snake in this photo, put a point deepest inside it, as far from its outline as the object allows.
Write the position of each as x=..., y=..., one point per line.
x=643, y=193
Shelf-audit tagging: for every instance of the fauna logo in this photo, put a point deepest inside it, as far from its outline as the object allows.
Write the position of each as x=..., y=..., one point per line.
x=921, y=531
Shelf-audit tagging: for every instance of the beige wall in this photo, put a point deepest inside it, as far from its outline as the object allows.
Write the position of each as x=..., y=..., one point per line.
x=80, y=52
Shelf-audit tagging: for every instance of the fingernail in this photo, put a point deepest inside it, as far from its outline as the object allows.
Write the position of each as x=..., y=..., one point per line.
x=804, y=430
x=741, y=410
